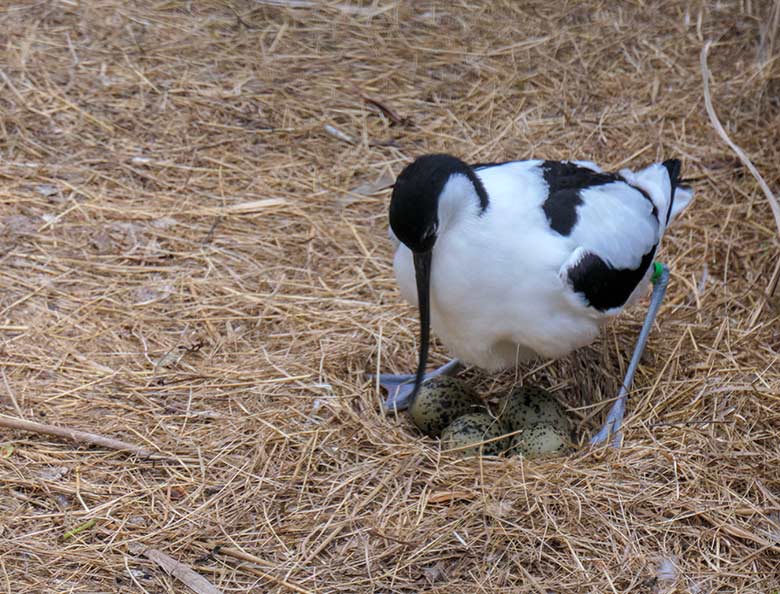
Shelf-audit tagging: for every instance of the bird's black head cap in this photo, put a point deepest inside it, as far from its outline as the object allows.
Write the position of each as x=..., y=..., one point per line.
x=415, y=202
x=414, y=218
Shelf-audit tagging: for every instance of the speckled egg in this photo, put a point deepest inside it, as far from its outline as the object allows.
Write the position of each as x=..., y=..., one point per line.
x=473, y=428
x=527, y=405
x=539, y=440
x=440, y=401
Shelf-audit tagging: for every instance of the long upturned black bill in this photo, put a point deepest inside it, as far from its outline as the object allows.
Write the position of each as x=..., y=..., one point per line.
x=422, y=272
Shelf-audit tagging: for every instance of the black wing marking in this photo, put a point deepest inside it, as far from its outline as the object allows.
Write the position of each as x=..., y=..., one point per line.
x=560, y=208
x=565, y=175
x=566, y=180
x=603, y=286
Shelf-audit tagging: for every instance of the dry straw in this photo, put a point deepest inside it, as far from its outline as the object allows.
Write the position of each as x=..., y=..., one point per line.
x=192, y=262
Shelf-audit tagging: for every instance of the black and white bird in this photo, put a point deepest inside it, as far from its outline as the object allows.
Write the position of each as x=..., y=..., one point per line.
x=523, y=259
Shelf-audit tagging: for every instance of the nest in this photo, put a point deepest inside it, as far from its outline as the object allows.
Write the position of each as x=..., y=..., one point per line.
x=194, y=260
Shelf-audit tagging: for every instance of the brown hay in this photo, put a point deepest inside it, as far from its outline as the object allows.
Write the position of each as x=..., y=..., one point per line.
x=192, y=264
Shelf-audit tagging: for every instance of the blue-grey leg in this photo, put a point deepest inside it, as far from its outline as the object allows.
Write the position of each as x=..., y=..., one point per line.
x=615, y=416
x=399, y=387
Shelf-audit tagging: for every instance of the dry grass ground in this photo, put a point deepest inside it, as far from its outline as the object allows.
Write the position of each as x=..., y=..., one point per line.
x=188, y=262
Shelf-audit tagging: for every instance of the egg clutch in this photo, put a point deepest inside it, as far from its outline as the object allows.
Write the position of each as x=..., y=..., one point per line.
x=529, y=421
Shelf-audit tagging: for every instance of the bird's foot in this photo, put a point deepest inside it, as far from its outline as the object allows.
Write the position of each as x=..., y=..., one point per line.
x=399, y=387
x=612, y=425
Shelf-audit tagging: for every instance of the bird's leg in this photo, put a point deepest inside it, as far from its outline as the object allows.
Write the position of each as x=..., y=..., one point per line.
x=615, y=416
x=399, y=387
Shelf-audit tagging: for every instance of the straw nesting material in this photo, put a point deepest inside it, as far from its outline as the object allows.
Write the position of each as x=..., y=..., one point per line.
x=194, y=262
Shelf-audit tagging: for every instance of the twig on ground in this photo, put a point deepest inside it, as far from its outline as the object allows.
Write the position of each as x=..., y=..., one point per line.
x=193, y=580
x=76, y=435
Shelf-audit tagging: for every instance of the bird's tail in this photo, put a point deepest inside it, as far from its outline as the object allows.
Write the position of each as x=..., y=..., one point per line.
x=681, y=193
x=667, y=190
